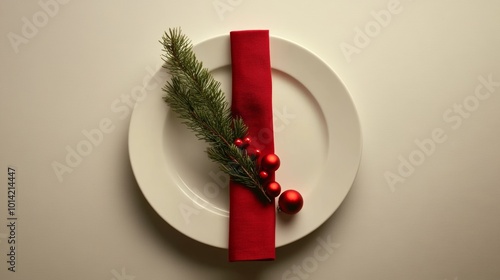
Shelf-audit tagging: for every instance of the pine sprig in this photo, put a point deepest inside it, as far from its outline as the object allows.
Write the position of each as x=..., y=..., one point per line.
x=197, y=99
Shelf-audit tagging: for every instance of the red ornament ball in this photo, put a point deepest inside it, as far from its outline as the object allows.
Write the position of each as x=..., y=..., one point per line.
x=256, y=153
x=238, y=142
x=263, y=175
x=247, y=141
x=273, y=189
x=270, y=162
x=290, y=202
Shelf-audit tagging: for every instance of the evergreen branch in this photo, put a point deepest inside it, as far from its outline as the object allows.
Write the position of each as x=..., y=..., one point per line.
x=195, y=96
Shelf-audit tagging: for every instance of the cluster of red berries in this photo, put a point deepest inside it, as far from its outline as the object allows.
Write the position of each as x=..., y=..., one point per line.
x=289, y=201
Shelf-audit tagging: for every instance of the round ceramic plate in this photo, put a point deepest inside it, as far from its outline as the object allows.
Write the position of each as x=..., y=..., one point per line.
x=317, y=136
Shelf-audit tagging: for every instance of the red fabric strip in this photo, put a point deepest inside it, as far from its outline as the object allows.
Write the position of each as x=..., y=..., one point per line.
x=251, y=221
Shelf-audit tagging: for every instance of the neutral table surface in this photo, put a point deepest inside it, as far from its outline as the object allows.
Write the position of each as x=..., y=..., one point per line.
x=423, y=75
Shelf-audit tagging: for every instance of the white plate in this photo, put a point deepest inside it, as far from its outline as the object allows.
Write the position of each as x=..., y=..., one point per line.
x=317, y=136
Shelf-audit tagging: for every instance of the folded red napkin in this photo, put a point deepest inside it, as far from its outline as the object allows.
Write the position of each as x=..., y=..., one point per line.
x=251, y=221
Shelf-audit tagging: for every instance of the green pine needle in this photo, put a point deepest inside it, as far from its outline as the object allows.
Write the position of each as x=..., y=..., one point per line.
x=195, y=96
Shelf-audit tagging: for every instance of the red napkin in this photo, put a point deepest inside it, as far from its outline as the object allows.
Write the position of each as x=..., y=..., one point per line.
x=252, y=221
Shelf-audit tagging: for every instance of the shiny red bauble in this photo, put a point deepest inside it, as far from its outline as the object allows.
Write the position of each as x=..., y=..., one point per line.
x=270, y=162
x=238, y=142
x=263, y=175
x=273, y=189
x=290, y=202
x=256, y=153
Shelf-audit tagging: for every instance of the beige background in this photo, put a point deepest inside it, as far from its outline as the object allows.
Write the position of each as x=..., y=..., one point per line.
x=424, y=76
